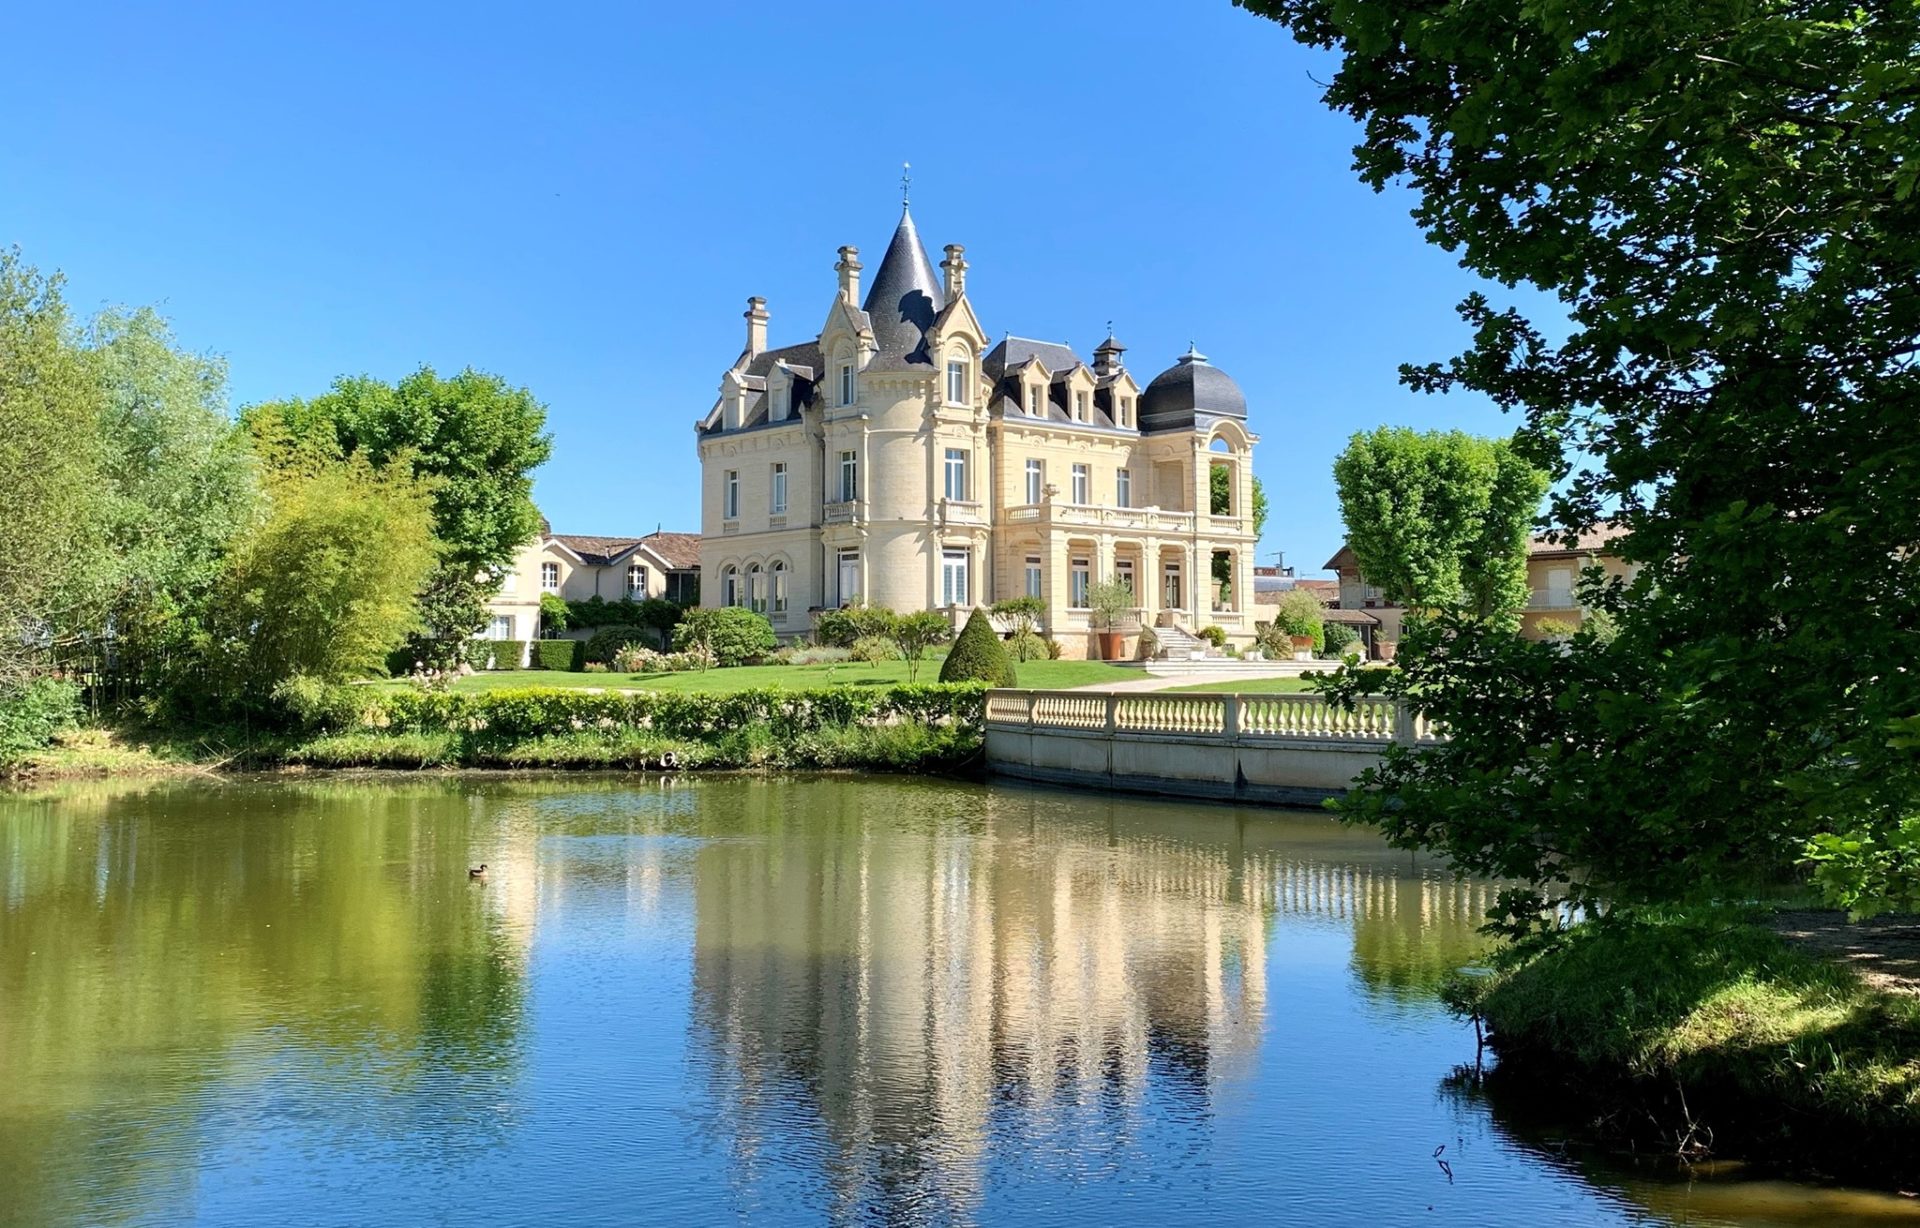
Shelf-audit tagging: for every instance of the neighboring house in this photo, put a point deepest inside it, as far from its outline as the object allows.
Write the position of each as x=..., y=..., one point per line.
x=899, y=458
x=578, y=568
x=1553, y=578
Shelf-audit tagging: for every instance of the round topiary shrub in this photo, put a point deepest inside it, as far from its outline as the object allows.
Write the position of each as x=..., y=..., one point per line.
x=732, y=635
x=978, y=655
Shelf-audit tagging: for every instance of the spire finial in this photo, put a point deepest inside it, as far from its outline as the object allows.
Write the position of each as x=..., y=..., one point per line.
x=1109, y=330
x=906, y=184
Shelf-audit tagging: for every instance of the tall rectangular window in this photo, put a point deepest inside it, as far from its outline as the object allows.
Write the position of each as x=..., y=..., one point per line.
x=636, y=580
x=849, y=576
x=1036, y=480
x=501, y=628
x=957, y=383
x=549, y=577
x=730, y=497
x=953, y=578
x=956, y=475
x=779, y=588
x=1082, y=484
x=1123, y=488
x=1080, y=406
x=849, y=478
x=1079, y=581
x=777, y=504
x=1170, y=591
x=1123, y=572
x=1033, y=576
x=1126, y=411
x=846, y=383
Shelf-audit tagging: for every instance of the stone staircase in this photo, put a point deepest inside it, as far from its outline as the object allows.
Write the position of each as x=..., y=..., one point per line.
x=1179, y=644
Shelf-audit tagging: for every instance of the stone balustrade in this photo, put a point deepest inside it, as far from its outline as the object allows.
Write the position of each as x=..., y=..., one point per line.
x=1278, y=748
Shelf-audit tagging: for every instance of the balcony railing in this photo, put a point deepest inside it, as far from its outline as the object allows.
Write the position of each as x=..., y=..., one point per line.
x=1548, y=599
x=1141, y=519
x=838, y=513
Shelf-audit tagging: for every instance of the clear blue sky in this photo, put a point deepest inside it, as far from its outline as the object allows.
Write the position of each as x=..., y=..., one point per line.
x=581, y=198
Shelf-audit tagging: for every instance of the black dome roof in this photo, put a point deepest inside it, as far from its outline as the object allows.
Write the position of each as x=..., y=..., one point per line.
x=1190, y=386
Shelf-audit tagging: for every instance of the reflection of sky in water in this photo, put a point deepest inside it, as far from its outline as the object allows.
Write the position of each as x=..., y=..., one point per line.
x=807, y=1001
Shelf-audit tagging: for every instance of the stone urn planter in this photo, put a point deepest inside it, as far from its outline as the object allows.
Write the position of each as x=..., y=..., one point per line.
x=1302, y=647
x=1386, y=649
x=1113, y=645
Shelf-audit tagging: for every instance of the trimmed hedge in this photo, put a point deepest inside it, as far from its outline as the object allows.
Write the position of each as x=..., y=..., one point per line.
x=978, y=655
x=502, y=716
x=569, y=655
x=507, y=654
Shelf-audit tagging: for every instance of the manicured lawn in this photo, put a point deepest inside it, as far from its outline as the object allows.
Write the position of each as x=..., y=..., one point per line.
x=1042, y=675
x=1250, y=686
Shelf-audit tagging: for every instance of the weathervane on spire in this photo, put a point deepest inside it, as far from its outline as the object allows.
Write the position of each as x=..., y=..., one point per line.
x=906, y=182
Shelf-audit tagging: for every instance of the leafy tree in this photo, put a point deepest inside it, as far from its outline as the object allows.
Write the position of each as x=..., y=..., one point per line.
x=177, y=484
x=1440, y=519
x=50, y=467
x=323, y=588
x=1722, y=196
x=978, y=655
x=914, y=633
x=1026, y=613
x=840, y=628
x=477, y=441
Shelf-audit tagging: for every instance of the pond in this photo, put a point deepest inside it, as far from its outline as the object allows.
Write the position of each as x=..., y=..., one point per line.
x=792, y=1001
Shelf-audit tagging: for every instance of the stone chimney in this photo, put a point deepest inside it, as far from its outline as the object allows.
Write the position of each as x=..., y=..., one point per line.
x=955, y=268
x=756, y=314
x=849, y=270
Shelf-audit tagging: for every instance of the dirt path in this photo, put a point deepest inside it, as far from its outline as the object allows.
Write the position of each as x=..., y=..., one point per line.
x=1885, y=950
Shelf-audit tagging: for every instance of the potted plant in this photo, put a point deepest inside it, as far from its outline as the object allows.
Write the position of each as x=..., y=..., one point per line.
x=1111, y=603
x=1301, y=618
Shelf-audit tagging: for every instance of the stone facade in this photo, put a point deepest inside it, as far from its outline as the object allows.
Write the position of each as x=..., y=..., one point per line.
x=900, y=459
x=579, y=567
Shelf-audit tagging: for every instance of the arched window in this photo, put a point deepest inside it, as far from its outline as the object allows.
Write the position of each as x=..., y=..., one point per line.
x=756, y=590
x=729, y=587
x=779, y=588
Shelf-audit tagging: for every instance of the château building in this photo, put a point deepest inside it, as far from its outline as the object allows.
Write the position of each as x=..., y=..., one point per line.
x=902, y=457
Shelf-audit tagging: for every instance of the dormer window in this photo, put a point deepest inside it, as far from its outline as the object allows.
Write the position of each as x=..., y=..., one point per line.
x=846, y=383
x=956, y=382
x=1033, y=400
x=1080, y=406
x=1126, y=411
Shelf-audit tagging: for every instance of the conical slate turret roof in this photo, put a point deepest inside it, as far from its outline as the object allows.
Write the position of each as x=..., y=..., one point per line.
x=905, y=298
x=1192, y=386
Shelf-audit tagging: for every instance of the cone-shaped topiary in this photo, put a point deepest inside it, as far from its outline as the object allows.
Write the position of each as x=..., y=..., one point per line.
x=978, y=655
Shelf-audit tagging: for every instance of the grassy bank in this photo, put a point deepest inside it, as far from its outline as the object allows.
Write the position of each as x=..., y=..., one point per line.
x=1710, y=1031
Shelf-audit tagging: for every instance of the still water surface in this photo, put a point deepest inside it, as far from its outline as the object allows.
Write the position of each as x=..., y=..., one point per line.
x=796, y=1001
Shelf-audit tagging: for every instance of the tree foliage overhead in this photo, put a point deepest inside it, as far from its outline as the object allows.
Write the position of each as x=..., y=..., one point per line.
x=478, y=438
x=1440, y=520
x=1722, y=195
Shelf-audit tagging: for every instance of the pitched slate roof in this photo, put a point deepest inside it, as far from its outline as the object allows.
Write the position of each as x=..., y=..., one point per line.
x=904, y=299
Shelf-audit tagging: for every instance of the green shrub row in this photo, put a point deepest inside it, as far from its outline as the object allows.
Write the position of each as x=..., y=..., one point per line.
x=519, y=714
x=568, y=655
x=501, y=654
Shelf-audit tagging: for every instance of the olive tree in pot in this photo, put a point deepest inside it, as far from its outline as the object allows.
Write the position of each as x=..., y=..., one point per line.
x=1111, y=603
x=1302, y=619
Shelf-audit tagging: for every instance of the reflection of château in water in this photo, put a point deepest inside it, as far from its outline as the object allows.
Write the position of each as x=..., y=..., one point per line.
x=1039, y=977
